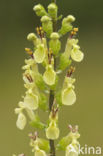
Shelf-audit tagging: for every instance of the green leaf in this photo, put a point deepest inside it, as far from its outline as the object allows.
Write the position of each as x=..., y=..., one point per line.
x=37, y=123
x=64, y=142
x=43, y=144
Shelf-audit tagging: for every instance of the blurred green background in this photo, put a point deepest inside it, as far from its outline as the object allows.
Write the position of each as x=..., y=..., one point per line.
x=17, y=19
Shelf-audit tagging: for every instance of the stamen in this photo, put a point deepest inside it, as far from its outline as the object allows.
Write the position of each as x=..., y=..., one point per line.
x=70, y=71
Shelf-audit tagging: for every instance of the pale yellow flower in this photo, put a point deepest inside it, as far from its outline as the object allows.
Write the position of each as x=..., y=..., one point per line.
x=40, y=152
x=31, y=101
x=52, y=132
x=21, y=121
x=50, y=75
x=71, y=150
x=68, y=96
x=76, y=54
x=40, y=53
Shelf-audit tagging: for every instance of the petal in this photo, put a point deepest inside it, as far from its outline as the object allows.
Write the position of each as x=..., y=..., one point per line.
x=39, y=54
x=40, y=153
x=49, y=76
x=71, y=150
x=21, y=121
x=77, y=55
x=31, y=102
x=52, y=132
x=68, y=96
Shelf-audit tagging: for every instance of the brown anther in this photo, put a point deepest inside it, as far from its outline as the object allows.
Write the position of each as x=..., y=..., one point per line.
x=29, y=77
x=54, y=110
x=50, y=55
x=40, y=32
x=73, y=32
x=73, y=129
x=33, y=136
x=76, y=29
x=29, y=51
x=70, y=71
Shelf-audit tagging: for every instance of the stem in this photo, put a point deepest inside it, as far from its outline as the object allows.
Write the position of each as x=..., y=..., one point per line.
x=54, y=1
x=51, y=98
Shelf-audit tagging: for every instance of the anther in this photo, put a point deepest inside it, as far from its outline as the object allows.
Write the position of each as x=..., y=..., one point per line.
x=70, y=71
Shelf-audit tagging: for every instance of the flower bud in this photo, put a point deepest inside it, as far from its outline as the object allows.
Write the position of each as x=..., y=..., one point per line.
x=76, y=54
x=21, y=121
x=52, y=10
x=72, y=150
x=54, y=43
x=71, y=18
x=40, y=53
x=47, y=25
x=66, y=24
x=49, y=76
x=52, y=132
x=31, y=101
x=31, y=37
x=68, y=96
x=39, y=10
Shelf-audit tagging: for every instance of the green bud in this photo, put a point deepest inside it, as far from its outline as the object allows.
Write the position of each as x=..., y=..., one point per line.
x=39, y=10
x=71, y=18
x=52, y=10
x=54, y=43
x=31, y=37
x=66, y=25
x=47, y=25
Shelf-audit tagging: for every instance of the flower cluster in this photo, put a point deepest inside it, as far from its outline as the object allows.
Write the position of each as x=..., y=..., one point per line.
x=42, y=85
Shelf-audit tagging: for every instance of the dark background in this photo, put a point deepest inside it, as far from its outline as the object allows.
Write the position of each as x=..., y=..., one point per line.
x=17, y=19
